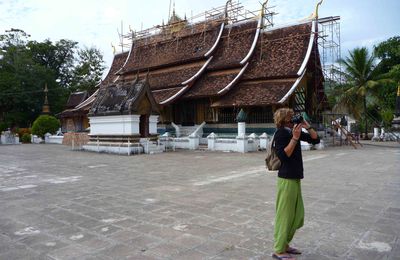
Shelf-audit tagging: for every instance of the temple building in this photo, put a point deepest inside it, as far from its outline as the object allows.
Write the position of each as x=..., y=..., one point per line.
x=186, y=74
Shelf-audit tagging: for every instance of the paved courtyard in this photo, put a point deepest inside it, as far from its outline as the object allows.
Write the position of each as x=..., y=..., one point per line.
x=61, y=204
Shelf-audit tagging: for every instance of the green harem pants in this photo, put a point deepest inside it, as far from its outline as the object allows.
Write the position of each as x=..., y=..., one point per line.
x=289, y=212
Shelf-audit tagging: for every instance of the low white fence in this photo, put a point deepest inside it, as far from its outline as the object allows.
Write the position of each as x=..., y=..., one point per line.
x=53, y=139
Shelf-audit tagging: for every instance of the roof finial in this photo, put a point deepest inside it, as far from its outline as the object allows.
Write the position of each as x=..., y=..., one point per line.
x=263, y=7
x=113, y=47
x=226, y=8
x=316, y=9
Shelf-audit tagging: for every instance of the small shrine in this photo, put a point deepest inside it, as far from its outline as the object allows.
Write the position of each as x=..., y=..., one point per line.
x=125, y=116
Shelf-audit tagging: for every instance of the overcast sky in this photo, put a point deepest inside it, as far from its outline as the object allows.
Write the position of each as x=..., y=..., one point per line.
x=95, y=22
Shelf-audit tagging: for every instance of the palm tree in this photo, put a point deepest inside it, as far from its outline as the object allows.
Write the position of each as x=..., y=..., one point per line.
x=358, y=71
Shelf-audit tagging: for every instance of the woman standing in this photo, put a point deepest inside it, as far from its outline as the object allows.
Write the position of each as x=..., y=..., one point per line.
x=289, y=203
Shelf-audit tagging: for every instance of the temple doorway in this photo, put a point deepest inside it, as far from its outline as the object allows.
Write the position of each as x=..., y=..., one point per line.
x=144, y=126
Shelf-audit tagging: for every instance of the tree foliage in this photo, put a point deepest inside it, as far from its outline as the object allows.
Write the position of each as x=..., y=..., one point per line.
x=45, y=124
x=89, y=70
x=27, y=65
x=370, y=84
x=360, y=85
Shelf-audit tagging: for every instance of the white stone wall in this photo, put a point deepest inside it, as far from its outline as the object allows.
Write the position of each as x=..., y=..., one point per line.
x=53, y=139
x=153, y=120
x=116, y=125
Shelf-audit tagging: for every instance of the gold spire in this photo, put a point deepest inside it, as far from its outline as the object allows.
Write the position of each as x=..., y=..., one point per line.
x=398, y=90
x=46, y=107
x=46, y=90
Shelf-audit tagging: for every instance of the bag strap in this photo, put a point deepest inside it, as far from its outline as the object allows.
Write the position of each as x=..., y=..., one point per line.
x=273, y=139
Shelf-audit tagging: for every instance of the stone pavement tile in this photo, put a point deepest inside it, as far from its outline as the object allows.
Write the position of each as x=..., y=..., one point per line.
x=147, y=217
x=79, y=237
x=20, y=253
x=124, y=235
x=212, y=247
x=5, y=243
x=105, y=230
x=47, y=246
x=97, y=204
x=167, y=232
x=48, y=224
x=387, y=226
x=119, y=251
x=226, y=210
x=35, y=239
x=203, y=231
x=326, y=247
x=190, y=254
x=315, y=256
x=237, y=219
x=189, y=241
x=201, y=220
x=69, y=252
x=394, y=210
x=234, y=253
x=357, y=253
x=145, y=228
x=124, y=211
x=165, y=221
x=95, y=244
x=143, y=242
x=391, y=215
x=165, y=250
x=66, y=231
x=89, y=224
x=257, y=245
x=10, y=228
x=373, y=236
x=100, y=214
x=182, y=215
x=230, y=238
x=127, y=223
x=222, y=225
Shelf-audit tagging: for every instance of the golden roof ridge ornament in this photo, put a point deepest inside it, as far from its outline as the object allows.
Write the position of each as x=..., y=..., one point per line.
x=262, y=13
x=316, y=9
x=226, y=8
x=113, y=47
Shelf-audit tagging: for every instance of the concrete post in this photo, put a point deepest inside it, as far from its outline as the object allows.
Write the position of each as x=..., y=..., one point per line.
x=194, y=141
x=211, y=138
x=47, y=138
x=242, y=144
x=264, y=141
x=256, y=142
x=242, y=129
x=376, y=134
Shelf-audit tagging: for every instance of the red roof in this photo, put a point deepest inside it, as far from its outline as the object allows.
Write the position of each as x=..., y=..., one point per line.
x=172, y=49
x=178, y=68
x=256, y=93
x=116, y=65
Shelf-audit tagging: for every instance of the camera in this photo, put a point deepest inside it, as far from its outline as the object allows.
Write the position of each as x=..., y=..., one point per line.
x=296, y=119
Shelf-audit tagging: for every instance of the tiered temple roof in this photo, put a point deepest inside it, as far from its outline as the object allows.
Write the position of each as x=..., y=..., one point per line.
x=241, y=75
x=239, y=64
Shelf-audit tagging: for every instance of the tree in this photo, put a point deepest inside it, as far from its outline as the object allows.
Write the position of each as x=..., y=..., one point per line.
x=45, y=124
x=389, y=67
x=360, y=84
x=89, y=70
x=26, y=66
x=389, y=54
